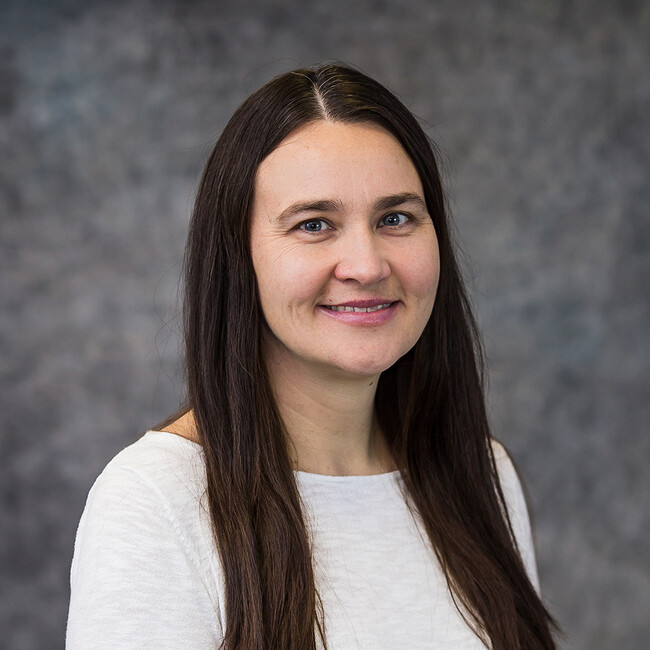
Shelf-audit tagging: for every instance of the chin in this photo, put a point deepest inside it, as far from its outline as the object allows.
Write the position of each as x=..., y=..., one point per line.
x=370, y=367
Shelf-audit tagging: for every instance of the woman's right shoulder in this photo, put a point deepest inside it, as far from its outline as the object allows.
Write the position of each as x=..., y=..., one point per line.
x=144, y=548
x=155, y=454
x=160, y=468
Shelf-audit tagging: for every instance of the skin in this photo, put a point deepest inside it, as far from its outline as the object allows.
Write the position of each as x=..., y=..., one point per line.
x=323, y=365
x=339, y=247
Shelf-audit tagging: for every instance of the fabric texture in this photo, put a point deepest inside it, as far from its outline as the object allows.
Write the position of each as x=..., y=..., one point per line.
x=146, y=572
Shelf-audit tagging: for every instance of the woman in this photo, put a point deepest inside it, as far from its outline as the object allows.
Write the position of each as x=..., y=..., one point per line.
x=332, y=481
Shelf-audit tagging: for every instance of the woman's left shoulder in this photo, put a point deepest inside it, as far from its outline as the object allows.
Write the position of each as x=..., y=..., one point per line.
x=513, y=494
x=505, y=467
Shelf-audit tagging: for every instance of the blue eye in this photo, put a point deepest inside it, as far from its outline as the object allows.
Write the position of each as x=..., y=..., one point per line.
x=314, y=225
x=394, y=219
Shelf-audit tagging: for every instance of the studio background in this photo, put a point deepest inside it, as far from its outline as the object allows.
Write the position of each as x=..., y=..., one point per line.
x=107, y=113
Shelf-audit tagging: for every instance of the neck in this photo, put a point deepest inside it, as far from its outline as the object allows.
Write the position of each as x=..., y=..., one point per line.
x=329, y=419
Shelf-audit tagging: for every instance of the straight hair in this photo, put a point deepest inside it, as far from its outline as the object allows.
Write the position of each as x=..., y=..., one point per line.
x=430, y=403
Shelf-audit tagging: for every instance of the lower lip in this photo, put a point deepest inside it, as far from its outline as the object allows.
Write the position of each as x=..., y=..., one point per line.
x=367, y=318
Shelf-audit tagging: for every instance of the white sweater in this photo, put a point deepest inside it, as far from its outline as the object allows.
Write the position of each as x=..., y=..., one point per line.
x=146, y=572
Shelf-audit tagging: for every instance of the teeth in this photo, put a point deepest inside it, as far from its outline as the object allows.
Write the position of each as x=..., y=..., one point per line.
x=358, y=309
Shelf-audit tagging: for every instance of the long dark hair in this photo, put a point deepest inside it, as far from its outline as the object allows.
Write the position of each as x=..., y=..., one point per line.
x=430, y=404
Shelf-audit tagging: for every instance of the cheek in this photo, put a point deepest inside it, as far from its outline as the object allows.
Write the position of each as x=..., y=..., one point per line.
x=423, y=280
x=287, y=282
x=421, y=272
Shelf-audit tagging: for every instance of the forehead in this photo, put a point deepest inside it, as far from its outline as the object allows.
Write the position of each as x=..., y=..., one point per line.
x=327, y=159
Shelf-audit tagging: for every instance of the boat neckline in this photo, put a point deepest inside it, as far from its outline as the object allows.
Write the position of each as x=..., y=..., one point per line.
x=300, y=473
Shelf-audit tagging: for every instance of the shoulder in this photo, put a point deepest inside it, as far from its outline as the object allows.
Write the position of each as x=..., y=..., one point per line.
x=513, y=494
x=509, y=479
x=152, y=491
x=505, y=467
x=144, y=550
x=163, y=462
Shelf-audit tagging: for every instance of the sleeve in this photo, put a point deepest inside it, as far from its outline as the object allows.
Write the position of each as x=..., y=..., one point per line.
x=134, y=583
x=517, y=510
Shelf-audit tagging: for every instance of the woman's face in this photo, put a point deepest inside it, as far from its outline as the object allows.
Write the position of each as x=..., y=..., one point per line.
x=344, y=251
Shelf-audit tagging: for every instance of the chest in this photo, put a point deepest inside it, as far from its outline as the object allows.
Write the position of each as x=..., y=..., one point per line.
x=378, y=579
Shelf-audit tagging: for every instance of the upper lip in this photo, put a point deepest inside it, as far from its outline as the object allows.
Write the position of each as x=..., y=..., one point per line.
x=372, y=302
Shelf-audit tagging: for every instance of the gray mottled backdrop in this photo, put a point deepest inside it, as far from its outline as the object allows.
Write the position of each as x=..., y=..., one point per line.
x=107, y=113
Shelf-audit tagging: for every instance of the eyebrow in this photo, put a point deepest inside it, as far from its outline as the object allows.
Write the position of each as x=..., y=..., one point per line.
x=393, y=200
x=324, y=205
x=330, y=205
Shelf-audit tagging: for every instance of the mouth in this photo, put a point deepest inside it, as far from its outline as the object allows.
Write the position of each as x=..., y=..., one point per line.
x=372, y=312
x=359, y=309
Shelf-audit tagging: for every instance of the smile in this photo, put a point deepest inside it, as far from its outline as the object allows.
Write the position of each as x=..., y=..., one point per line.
x=357, y=309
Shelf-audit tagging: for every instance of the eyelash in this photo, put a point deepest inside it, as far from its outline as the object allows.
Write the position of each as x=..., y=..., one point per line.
x=301, y=225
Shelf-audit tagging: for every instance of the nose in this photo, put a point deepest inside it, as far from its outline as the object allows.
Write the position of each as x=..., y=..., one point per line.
x=361, y=258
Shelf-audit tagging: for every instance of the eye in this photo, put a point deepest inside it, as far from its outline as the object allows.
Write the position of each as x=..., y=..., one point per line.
x=395, y=219
x=314, y=225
